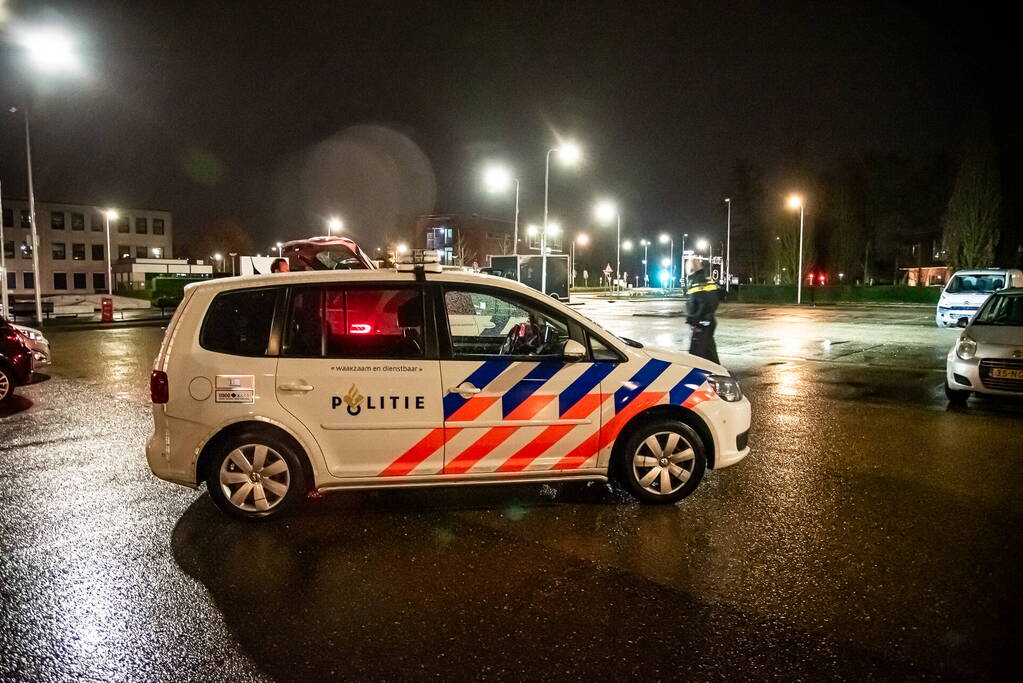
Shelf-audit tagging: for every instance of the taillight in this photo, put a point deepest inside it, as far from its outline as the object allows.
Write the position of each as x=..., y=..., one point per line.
x=159, y=389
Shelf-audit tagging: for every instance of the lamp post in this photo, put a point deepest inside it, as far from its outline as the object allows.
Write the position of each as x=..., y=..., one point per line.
x=334, y=224
x=280, y=249
x=646, y=265
x=109, y=215
x=3, y=259
x=728, y=245
x=683, y=275
x=665, y=238
x=497, y=179
x=569, y=154
x=605, y=212
x=582, y=239
x=796, y=202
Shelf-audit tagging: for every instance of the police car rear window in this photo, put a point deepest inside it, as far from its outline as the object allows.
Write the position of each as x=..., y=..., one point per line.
x=239, y=322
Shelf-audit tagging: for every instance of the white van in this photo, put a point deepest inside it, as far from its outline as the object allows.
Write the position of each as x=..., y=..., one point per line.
x=271, y=387
x=967, y=290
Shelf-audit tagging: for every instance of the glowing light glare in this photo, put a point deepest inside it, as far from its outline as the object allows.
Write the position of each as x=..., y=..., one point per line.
x=217, y=257
x=280, y=244
x=401, y=248
x=627, y=245
x=795, y=201
x=497, y=178
x=664, y=239
x=666, y=262
x=664, y=277
x=532, y=230
x=582, y=239
x=112, y=214
x=50, y=49
x=335, y=224
x=643, y=243
x=702, y=244
x=569, y=153
x=605, y=211
x=553, y=228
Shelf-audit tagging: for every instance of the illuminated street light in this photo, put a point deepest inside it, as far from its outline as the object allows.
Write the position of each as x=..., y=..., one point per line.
x=796, y=202
x=554, y=228
x=109, y=215
x=334, y=224
x=627, y=245
x=280, y=247
x=569, y=154
x=605, y=212
x=402, y=248
x=646, y=265
x=499, y=178
x=728, y=245
x=582, y=239
x=216, y=258
x=667, y=239
x=533, y=230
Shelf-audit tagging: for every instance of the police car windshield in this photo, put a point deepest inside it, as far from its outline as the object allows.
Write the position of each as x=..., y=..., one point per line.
x=975, y=284
x=1003, y=309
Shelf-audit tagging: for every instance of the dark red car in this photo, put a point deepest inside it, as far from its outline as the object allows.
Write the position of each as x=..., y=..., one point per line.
x=15, y=360
x=326, y=253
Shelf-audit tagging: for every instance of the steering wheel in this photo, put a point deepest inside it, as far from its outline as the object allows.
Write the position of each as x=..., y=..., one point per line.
x=520, y=340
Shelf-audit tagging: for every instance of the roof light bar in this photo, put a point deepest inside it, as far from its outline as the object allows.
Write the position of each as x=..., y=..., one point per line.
x=425, y=259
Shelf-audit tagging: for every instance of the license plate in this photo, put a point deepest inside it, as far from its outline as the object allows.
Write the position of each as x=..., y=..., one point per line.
x=1007, y=373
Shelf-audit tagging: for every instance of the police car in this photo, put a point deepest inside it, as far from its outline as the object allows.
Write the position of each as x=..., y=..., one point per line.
x=269, y=388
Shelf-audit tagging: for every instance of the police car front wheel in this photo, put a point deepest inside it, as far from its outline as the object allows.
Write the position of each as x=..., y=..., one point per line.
x=662, y=462
x=255, y=476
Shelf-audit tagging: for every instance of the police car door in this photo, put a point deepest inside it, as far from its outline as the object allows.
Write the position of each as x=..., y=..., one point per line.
x=359, y=368
x=512, y=404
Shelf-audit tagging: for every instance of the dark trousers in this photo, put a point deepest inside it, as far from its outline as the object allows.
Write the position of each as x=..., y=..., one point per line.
x=702, y=343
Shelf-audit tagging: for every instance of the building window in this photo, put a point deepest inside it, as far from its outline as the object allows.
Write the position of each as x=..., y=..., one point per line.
x=8, y=248
x=78, y=279
x=77, y=221
x=157, y=226
x=26, y=250
x=97, y=222
x=141, y=252
x=8, y=218
x=141, y=225
x=29, y=280
x=78, y=252
x=59, y=251
x=97, y=252
x=123, y=224
x=57, y=220
x=60, y=281
x=26, y=219
x=123, y=251
x=12, y=280
x=99, y=281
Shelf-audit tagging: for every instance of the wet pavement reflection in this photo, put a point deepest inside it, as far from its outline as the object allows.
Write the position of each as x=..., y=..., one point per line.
x=872, y=533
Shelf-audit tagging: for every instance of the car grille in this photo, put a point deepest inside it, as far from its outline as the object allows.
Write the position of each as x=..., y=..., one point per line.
x=1001, y=383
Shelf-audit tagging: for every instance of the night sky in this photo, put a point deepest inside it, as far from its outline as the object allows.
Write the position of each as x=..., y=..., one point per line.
x=278, y=114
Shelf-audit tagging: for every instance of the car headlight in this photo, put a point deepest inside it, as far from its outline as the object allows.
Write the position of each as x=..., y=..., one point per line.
x=726, y=387
x=966, y=348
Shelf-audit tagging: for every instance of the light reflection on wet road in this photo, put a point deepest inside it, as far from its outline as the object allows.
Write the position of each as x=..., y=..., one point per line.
x=871, y=533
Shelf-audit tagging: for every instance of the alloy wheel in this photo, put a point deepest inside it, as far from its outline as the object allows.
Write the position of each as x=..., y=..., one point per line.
x=254, y=477
x=663, y=463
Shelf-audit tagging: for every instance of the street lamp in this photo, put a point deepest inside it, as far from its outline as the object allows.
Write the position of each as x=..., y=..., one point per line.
x=50, y=51
x=498, y=179
x=401, y=248
x=569, y=154
x=796, y=202
x=728, y=245
x=216, y=261
x=334, y=224
x=605, y=212
x=280, y=249
x=3, y=262
x=109, y=215
x=646, y=266
x=582, y=239
x=667, y=239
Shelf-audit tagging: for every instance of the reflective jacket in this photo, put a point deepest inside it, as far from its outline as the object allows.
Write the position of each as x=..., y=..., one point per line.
x=703, y=299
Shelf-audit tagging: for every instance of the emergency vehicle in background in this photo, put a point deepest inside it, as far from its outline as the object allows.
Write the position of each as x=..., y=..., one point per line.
x=269, y=388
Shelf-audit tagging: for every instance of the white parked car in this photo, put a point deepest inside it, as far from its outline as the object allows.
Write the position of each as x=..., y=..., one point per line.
x=988, y=356
x=967, y=290
x=268, y=388
x=38, y=343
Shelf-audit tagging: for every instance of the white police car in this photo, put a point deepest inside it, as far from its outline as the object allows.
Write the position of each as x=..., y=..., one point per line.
x=271, y=387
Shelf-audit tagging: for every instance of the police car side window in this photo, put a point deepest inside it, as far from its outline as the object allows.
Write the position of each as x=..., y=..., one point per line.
x=239, y=322
x=483, y=324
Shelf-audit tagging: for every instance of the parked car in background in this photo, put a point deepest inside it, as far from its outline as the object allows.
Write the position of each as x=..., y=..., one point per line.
x=15, y=360
x=37, y=343
x=988, y=356
x=967, y=290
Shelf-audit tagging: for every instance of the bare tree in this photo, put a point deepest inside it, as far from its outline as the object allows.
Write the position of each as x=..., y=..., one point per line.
x=970, y=222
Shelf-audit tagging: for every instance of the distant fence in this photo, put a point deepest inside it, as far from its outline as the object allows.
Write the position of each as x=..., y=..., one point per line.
x=837, y=294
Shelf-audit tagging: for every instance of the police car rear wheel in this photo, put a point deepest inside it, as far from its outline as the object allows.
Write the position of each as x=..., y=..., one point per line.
x=255, y=477
x=663, y=462
x=6, y=386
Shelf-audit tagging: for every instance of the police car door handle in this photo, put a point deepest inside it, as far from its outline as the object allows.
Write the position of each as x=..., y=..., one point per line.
x=464, y=389
x=295, y=387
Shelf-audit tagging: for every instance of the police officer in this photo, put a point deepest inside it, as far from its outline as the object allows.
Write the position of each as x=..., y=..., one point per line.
x=703, y=302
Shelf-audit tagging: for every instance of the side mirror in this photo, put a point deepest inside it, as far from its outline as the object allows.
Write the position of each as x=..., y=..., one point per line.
x=573, y=351
x=962, y=322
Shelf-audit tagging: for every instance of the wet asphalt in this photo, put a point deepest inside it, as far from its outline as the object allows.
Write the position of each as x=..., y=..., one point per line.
x=873, y=533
